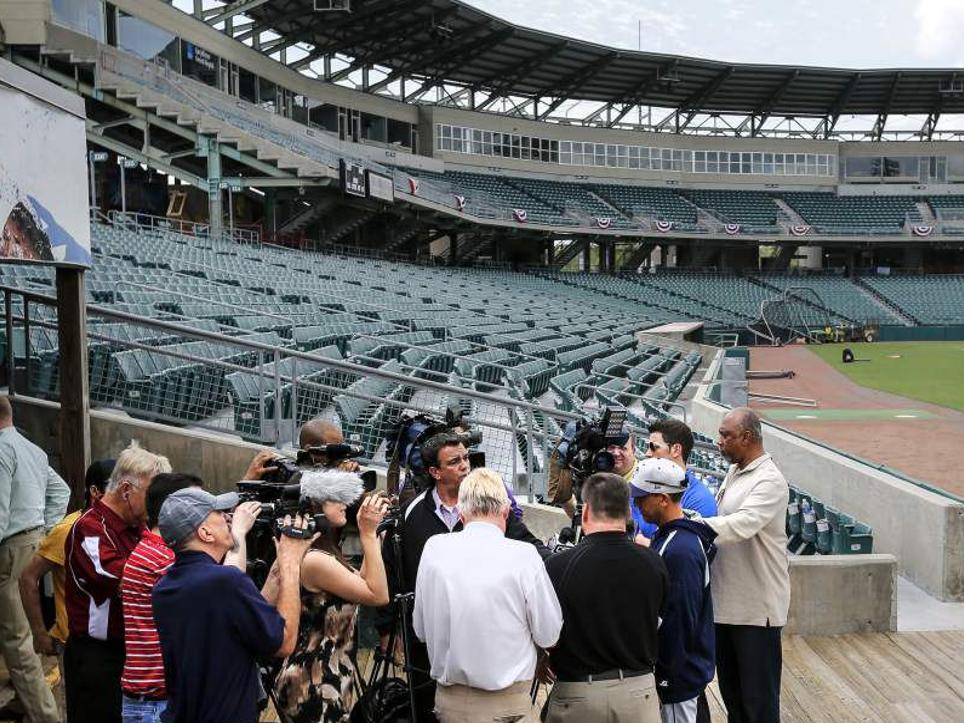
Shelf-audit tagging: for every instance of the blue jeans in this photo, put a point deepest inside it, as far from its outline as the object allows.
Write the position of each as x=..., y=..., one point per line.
x=142, y=711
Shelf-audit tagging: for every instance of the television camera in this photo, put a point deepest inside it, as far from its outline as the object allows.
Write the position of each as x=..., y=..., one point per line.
x=581, y=452
x=407, y=472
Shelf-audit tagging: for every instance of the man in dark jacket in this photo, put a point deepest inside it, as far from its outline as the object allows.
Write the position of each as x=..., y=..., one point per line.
x=687, y=650
x=434, y=512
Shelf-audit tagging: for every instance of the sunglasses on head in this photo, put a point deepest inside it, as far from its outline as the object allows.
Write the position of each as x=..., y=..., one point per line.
x=653, y=446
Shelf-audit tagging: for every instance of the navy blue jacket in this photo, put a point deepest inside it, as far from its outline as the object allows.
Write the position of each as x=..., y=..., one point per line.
x=214, y=626
x=687, y=643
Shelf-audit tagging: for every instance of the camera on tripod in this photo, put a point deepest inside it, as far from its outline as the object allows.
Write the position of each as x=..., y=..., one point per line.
x=583, y=451
x=407, y=471
x=583, y=448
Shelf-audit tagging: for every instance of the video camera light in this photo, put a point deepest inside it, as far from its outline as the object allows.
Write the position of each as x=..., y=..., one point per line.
x=612, y=423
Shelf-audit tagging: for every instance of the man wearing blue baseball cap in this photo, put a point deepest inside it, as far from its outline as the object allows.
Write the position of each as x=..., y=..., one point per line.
x=687, y=649
x=212, y=622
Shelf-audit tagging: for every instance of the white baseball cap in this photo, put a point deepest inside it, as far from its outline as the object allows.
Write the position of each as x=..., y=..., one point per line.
x=657, y=476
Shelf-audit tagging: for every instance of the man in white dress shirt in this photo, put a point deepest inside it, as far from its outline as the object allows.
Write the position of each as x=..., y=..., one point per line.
x=483, y=605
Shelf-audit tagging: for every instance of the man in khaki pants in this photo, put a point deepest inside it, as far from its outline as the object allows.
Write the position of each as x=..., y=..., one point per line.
x=32, y=498
x=483, y=604
x=611, y=591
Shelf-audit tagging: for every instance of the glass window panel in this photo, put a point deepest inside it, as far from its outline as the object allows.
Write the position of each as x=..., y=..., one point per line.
x=867, y=167
x=267, y=95
x=199, y=64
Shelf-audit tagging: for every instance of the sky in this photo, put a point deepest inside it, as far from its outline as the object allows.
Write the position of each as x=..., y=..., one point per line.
x=835, y=33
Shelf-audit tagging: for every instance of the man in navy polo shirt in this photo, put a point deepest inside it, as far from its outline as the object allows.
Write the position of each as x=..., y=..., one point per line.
x=213, y=623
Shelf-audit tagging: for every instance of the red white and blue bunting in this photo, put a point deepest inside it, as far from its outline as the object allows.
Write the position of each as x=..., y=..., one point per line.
x=459, y=202
x=664, y=226
x=799, y=229
x=604, y=223
x=413, y=185
x=732, y=228
x=520, y=215
x=922, y=230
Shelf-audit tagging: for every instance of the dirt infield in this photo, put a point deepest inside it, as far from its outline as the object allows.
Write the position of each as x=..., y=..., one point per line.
x=922, y=440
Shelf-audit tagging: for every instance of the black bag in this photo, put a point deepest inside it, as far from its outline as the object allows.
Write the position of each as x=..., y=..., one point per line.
x=385, y=702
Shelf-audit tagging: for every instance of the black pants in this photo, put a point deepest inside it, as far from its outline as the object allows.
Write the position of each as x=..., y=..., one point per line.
x=749, y=659
x=92, y=675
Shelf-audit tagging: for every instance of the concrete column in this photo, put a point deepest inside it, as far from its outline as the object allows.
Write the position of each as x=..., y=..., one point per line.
x=587, y=256
x=550, y=252
x=215, y=208
x=453, y=249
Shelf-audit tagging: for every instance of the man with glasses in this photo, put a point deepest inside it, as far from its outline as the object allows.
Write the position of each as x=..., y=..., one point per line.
x=671, y=439
x=212, y=622
x=96, y=551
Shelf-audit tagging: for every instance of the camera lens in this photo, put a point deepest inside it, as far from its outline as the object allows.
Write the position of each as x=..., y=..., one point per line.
x=603, y=461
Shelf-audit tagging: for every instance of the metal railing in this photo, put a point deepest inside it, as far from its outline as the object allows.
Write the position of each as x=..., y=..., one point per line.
x=169, y=372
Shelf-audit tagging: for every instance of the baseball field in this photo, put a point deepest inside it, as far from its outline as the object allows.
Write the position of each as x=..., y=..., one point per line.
x=928, y=371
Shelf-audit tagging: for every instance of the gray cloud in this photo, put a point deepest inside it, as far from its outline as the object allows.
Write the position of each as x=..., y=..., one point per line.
x=840, y=33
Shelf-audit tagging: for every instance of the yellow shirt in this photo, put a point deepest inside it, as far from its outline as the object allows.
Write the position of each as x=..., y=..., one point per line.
x=52, y=549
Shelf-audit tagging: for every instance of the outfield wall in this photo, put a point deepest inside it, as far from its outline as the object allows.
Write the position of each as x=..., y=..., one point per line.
x=923, y=529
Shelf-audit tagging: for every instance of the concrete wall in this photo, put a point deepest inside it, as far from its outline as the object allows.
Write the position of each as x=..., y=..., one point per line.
x=922, y=529
x=219, y=460
x=836, y=594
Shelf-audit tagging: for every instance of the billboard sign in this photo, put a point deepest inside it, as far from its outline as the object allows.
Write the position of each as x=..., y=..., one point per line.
x=353, y=178
x=380, y=187
x=43, y=172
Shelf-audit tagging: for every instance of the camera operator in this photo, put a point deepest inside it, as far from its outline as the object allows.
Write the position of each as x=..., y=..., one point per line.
x=317, y=682
x=611, y=591
x=435, y=511
x=212, y=622
x=320, y=433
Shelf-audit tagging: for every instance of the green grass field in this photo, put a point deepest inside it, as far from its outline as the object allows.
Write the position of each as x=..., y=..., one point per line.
x=929, y=371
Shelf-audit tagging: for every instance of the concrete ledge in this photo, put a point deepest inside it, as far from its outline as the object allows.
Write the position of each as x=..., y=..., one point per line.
x=836, y=594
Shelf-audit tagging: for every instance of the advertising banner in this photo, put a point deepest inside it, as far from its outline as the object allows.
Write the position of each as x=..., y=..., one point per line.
x=43, y=178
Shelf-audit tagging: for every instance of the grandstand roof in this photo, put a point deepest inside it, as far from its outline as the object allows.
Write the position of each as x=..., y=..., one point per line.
x=449, y=40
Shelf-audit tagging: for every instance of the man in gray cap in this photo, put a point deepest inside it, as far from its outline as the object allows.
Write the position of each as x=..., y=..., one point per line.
x=687, y=658
x=212, y=621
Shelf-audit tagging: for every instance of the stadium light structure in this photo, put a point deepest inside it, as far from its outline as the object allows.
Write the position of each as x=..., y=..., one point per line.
x=452, y=54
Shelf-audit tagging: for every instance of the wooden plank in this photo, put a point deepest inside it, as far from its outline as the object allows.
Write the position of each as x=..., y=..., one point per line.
x=74, y=400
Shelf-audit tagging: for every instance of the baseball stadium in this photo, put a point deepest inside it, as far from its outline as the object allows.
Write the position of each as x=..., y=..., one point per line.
x=224, y=219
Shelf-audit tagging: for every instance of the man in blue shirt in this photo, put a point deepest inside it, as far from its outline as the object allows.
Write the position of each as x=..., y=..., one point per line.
x=213, y=623
x=672, y=439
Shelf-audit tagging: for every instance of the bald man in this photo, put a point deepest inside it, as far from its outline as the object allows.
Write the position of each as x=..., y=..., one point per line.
x=751, y=578
x=320, y=433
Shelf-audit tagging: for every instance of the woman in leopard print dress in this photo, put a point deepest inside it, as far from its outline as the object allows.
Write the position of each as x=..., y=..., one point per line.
x=317, y=683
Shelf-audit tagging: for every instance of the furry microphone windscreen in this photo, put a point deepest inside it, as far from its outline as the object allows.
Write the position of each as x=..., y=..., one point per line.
x=321, y=485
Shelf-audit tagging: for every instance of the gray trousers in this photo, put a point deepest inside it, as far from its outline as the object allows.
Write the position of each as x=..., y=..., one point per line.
x=16, y=642
x=631, y=700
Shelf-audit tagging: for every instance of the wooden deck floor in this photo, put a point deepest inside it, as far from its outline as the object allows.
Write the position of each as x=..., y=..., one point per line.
x=873, y=677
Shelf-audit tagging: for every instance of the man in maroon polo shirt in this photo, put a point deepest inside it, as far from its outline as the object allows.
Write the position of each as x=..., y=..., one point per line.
x=95, y=553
